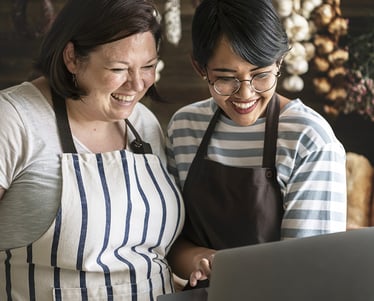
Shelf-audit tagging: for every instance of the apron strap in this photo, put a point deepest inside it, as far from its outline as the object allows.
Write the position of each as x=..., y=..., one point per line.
x=203, y=148
x=270, y=139
x=271, y=132
x=63, y=126
x=138, y=146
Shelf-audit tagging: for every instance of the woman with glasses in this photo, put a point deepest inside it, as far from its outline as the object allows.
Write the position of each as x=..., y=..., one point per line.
x=253, y=166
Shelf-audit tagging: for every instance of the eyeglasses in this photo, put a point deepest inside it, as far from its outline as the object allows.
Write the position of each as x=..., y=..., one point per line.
x=261, y=82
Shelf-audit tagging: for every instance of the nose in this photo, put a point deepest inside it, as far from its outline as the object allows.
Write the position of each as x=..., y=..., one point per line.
x=245, y=90
x=135, y=81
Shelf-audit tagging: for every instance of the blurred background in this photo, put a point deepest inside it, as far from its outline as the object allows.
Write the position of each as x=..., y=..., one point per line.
x=23, y=22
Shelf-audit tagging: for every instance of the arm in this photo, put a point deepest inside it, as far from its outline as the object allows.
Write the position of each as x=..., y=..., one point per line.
x=315, y=195
x=189, y=261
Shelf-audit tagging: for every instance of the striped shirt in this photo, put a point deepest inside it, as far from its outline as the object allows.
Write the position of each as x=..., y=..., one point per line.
x=310, y=161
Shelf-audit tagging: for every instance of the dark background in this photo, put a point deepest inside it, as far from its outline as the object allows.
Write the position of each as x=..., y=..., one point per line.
x=179, y=85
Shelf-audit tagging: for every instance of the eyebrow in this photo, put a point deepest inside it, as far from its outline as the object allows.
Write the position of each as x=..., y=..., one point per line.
x=128, y=63
x=232, y=70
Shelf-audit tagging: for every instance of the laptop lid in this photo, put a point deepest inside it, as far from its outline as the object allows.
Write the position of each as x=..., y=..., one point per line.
x=331, y=267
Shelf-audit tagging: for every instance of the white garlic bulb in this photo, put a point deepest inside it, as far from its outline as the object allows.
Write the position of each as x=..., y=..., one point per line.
x=316, y=2
x=173, y=22
x=297, y=66
x=160, y=66
x=284, y=7
x=307, y=9
x=297, y=50
x=297, y=27
x=310, y=50
x=293, y=83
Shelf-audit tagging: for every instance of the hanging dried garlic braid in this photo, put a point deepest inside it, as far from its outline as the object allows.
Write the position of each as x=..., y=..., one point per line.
x=20, y=20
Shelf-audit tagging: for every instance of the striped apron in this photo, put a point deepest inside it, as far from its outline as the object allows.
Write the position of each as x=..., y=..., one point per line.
x=119, y=214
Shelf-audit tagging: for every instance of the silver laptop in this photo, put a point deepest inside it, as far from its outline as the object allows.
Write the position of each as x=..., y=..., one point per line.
x=331, y=267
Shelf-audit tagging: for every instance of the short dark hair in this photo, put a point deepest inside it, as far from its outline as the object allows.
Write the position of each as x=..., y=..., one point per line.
x=252, y=27
x=89, y=24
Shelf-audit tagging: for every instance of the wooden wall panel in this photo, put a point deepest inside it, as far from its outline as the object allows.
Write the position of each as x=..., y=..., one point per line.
x=179, y=84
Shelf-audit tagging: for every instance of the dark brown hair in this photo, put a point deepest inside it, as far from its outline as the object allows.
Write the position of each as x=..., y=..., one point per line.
x=252, y=28
x=89, y=24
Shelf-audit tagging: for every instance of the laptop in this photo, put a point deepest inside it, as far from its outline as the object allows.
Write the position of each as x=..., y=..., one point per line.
x=330, y=267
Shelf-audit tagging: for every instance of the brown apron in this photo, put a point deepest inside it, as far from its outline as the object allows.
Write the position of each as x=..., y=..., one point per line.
x=230, y=206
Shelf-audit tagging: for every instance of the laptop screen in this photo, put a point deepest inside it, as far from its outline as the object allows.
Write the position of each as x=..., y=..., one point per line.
x=330, y=267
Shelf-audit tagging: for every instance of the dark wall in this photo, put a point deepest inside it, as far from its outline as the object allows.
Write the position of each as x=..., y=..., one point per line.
x=179, y=84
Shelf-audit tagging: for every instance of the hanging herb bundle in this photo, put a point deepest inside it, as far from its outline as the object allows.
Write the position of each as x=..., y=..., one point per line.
x=360, y=75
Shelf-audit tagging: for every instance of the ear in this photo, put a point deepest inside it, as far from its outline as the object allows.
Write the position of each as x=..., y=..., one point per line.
x=69, y=57
x=200, y=71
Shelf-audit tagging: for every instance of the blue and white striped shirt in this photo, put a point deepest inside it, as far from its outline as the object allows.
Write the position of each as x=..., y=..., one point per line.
x=310, y=161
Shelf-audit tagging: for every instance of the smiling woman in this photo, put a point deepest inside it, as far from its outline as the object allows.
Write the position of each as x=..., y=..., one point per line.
x=267, y=167
x=77, y=142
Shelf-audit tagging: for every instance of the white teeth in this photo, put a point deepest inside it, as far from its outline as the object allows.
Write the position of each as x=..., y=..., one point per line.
x=123, y=97
x=244, y=105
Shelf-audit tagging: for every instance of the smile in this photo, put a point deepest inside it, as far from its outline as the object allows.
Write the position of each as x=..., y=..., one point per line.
x=123, y=98
x=244, y=105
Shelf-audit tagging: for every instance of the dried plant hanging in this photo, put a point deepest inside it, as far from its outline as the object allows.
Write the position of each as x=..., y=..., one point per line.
x=359, y=79
x=314, y=28
x=173, y=22
x=33, y=29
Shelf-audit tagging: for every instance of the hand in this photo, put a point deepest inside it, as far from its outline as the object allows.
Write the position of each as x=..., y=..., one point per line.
x=203, y=270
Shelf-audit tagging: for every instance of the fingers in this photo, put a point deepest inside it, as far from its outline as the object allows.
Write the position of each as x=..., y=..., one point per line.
x=203, y=272
x=195, y=277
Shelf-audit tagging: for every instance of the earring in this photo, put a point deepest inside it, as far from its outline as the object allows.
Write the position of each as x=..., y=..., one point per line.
x=205, y=77
x=74, y=78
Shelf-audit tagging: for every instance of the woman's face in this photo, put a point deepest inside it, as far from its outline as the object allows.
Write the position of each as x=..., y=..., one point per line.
x=246, y=105
x=117, y=75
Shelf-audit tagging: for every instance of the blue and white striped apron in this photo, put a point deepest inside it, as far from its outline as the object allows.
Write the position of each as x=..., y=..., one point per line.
x=119, y=214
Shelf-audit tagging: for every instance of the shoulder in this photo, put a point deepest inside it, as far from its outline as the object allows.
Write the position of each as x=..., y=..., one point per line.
x=193, y=114
x=306, y=131
x=141, y=113
x=300, y=118
x=26, y=123
x=17, y=105
x=25, y=89
x=144, y=120
x=24, y=98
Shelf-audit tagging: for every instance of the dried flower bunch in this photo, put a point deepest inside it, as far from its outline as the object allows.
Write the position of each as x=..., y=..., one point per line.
x=359, y=84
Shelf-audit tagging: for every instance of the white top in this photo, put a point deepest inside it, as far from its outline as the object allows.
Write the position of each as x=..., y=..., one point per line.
x=30, y=164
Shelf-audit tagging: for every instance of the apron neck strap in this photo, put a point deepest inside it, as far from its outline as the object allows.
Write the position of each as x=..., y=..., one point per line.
x=66, y=138
x=270, y=139
x=271, y=132
x=138, y=146
x=203, y=148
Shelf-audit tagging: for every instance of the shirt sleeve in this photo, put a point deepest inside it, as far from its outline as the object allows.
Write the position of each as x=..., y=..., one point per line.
x=315, y=198
x=12, y=138
x=171, y=163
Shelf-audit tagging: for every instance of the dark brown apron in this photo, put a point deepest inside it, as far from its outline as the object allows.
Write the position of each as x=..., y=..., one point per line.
x=233, y=206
